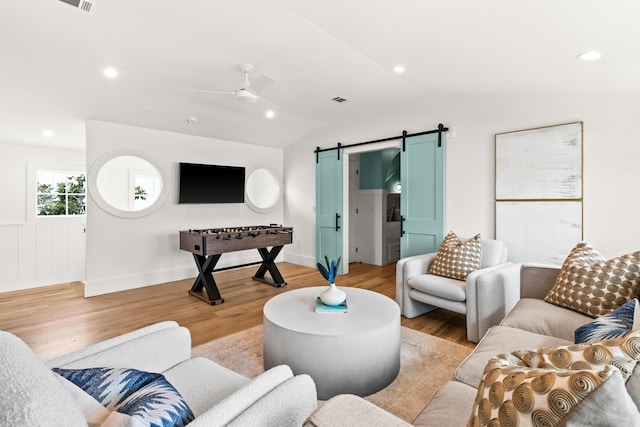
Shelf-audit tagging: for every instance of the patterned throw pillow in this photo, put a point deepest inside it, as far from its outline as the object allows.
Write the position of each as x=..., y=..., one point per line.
x=616, y=324
x=591, y=285
x=623, y=353
x=517, y=396
x=145, y=396
x=456, y=259
x=541, y=387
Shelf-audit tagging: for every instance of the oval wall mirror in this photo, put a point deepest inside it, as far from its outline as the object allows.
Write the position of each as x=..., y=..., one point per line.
x=126, y=184
x=263, y=190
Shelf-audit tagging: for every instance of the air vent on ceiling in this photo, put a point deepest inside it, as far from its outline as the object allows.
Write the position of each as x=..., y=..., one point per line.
x=86, y=5
x=339, y=99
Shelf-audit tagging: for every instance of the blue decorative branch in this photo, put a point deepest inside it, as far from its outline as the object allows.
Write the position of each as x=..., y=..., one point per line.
x=329, y=272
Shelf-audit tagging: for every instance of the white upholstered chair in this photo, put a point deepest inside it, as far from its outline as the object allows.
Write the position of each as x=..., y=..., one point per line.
x=480, y=298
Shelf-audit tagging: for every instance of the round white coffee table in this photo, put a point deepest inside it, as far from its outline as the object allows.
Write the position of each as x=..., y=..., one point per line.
x=357, y=352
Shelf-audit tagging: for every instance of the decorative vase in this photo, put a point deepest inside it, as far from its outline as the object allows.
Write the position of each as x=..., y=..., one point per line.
x=333, y=295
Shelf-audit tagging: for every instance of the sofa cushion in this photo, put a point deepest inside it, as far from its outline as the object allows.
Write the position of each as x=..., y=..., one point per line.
x=351, y=410
x=616, y=324
x=456, y=259
x=31, y=394
x=443, y=287
x=204, y=383
x=450, y=406
x=145, y=396
x=535, y=315
x=500, y=339
x=516, y=395
x=592, y=285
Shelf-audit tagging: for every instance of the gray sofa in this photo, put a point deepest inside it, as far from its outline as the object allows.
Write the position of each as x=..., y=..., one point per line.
x=531, y=324
x=32, y=395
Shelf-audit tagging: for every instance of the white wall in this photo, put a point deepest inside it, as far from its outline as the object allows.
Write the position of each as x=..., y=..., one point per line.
x=611, y=153
x=130, y=253
x=371, y=224
x=36, y=252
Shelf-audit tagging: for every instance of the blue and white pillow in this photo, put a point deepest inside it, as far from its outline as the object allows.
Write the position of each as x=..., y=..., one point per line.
x=615, y=324
x=145, y=396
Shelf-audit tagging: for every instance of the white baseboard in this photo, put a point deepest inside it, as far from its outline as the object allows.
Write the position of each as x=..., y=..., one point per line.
x=10, y=284
x=304, y=260
x=117, y=284
x=123, y=283
x=134, y=281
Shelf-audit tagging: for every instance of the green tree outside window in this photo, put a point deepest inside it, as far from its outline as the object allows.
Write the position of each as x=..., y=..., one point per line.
x=60, y=194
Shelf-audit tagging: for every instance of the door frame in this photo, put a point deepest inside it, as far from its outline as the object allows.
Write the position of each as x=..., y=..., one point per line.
x=379, y=146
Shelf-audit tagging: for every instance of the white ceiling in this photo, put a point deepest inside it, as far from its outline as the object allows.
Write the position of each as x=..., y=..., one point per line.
x=52, y=56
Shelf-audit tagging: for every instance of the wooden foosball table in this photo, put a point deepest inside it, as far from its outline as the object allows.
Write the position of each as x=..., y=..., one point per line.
x=208, y=245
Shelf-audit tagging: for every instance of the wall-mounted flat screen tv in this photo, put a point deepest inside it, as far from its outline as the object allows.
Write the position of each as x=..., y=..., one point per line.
x=211, y=183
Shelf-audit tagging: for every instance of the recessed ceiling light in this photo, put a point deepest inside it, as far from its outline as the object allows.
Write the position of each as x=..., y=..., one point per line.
x=192, y=120
x=589, y=56
x=399, y=69
x=110, y=72
x=270, y=114
x=48, y=133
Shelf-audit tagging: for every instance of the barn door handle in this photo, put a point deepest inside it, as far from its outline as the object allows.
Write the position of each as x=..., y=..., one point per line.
x=337, y=221
x=401, y=225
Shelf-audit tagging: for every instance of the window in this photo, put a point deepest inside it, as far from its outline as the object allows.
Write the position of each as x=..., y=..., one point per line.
x=60, y=193
x=145, y=189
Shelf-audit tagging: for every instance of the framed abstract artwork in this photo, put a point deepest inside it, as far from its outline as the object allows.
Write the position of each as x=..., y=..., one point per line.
x=542, y=163
x=539, y=192
x=538, y=231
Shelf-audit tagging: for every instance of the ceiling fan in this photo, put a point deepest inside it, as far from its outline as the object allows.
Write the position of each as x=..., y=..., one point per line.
x=249, y=92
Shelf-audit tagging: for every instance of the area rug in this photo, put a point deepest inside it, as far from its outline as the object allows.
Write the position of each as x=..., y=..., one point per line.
x=426, y=364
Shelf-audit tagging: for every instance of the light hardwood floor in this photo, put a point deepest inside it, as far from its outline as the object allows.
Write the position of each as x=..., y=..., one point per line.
x=54, y=320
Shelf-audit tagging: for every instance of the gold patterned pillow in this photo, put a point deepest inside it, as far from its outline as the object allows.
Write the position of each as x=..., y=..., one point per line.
x=456, y=259
x=592, y=285
x=623, y=353
x=517, y=396
x=541, y=387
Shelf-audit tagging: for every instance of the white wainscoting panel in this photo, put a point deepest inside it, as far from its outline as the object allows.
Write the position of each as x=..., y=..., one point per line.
x=41, y=254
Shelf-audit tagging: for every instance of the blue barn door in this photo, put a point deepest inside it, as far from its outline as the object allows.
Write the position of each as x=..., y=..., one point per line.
x=329, y=206
x=422, y=202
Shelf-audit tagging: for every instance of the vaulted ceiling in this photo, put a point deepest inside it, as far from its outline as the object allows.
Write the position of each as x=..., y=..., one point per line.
x=53, y=56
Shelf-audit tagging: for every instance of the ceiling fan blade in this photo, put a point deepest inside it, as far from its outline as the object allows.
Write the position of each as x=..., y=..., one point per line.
x=216, y=92
x=262, y=82
x=268, y=102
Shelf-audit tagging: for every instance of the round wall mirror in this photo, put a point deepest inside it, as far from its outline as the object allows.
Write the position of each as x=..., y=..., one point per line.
x=126, y=185
x=263, y=190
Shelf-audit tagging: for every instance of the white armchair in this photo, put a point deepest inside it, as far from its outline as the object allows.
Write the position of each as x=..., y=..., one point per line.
x=34, y=396
x=482, y=297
